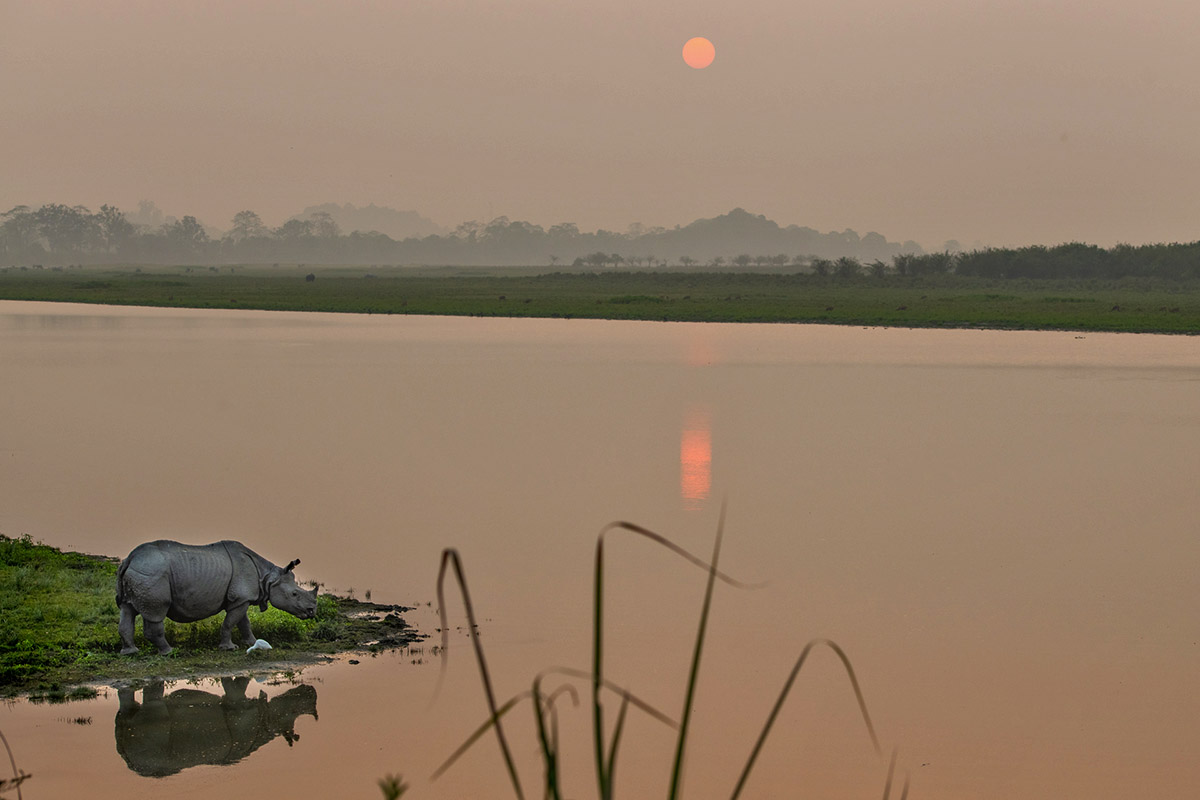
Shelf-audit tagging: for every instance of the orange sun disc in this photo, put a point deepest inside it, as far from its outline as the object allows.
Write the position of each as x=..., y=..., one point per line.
x=699, y=52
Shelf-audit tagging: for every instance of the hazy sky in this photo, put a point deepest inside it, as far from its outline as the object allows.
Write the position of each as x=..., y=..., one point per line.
x=991, y=121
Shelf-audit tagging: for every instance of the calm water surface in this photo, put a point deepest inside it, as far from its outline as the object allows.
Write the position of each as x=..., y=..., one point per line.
x=1000, y=528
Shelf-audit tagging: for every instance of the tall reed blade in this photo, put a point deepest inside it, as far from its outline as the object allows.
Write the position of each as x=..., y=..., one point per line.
x=787, y=687
x=624, y=693
x=19, y=776
x=694, y=671
x=616, y=740
x=548, y=737
x=477, y=734
x=887, y=785
x=450, y=558
x=598, y=668
x=545, y=739
x=597, y=676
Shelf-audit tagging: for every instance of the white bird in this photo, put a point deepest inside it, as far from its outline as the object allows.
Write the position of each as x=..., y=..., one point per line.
x=259, y=644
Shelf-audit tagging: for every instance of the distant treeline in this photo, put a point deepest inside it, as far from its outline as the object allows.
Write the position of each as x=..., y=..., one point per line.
x=57, y=234
x=1073, y=260
x=1076, y=260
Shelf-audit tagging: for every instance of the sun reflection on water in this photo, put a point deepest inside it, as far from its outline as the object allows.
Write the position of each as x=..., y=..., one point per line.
x=695, y=458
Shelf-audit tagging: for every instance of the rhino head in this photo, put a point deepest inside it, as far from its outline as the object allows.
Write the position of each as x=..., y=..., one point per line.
x=280, y=587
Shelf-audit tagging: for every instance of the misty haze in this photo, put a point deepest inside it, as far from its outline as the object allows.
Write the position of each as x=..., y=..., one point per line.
x=807, y=393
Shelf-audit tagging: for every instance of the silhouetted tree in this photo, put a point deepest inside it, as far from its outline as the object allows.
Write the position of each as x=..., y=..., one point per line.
x=246, y=225
x=324, y=226
x=116, y=232
x=186, y=236
x=19, y=235
x=295, y=229
x=847, y=267
x=67, y=230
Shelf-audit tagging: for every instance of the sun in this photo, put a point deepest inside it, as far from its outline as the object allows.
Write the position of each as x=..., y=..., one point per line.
x=698, y=52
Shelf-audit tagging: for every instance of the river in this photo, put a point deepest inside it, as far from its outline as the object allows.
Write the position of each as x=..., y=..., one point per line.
x=999, y=528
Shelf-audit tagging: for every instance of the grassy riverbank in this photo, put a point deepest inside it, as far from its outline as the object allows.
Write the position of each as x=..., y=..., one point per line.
x=58, y=627
x=952, y=301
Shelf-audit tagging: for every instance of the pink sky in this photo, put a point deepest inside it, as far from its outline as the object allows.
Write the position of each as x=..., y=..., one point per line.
x=993, y=122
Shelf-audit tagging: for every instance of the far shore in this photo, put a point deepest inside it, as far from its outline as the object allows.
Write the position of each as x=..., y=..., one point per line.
x=1142, y=305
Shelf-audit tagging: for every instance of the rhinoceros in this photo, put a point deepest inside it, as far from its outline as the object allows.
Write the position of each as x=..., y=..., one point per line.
x=183, y=582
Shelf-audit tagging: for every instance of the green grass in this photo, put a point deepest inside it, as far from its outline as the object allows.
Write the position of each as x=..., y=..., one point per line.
x=1141, y=305
x=56, y=609
x=58, y=627
x=606, y=739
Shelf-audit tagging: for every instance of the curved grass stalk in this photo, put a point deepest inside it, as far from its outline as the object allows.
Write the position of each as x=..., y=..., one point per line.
x=603, y=760
x=634, y=700
x=616, y=739
x=694, y=670
x=478, y=733
x=450, y=558
x=549, y=738
x=545, y=709
x=887, y=785
x=19, y=776
x=508, y=705
x=887, y=788
x=787, y=686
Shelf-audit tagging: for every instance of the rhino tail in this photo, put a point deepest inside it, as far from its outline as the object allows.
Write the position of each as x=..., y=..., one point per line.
x=121, y=582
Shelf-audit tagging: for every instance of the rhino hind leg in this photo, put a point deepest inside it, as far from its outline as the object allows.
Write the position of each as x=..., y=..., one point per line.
x=125, y=628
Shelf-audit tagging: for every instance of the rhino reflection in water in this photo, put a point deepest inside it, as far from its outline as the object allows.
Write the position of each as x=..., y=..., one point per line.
x=188, y=727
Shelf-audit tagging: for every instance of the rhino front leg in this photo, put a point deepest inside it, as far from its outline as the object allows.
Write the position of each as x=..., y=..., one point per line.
x=244, y=629
x=154, y=632
x=125, y=628
x=236, y=617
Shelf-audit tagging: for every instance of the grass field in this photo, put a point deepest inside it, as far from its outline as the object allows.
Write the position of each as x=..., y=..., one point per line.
x=1134, y=305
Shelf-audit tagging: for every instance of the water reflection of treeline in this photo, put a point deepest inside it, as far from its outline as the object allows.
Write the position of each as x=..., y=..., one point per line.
x=167, y=733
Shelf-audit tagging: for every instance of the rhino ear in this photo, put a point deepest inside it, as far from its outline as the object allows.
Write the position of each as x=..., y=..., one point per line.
x=289, y=567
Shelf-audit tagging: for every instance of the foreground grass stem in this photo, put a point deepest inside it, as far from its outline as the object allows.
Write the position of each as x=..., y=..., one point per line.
x=450, y=558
